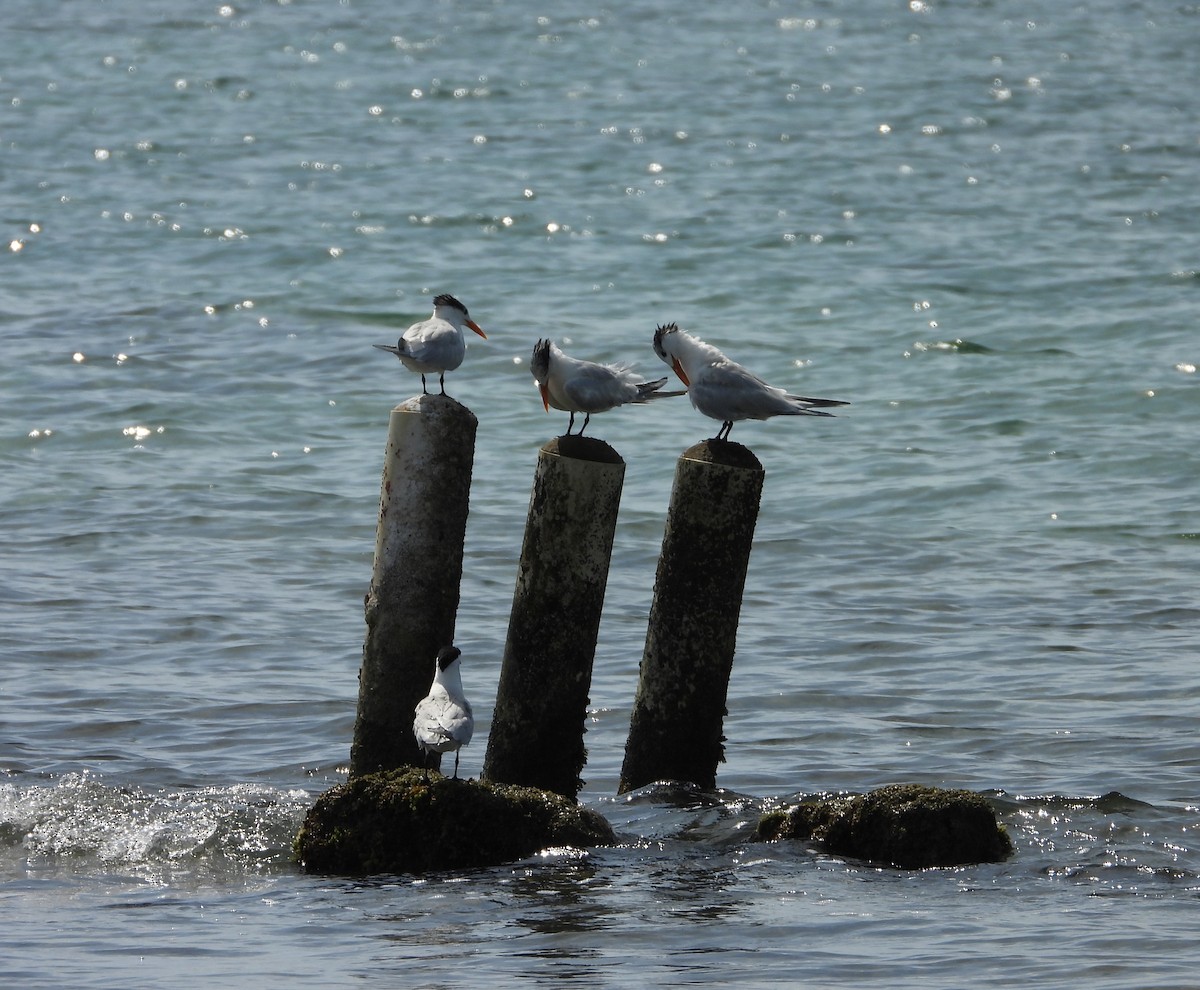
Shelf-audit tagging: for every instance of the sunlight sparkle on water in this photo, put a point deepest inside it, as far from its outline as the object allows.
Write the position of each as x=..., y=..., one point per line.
x=141, y=432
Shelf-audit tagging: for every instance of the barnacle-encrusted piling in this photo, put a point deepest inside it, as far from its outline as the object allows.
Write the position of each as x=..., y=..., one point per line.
x=675, y=732
x=536, y=736
x=413, y=597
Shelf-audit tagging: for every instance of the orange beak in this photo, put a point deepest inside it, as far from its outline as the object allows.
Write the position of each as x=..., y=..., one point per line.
x=545, y=395
x=475, y=326
x=680, y=372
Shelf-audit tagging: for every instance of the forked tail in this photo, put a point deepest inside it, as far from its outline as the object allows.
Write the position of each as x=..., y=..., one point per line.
x=650, y=390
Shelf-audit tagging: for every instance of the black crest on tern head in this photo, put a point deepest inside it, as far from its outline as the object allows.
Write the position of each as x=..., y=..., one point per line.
x=445, y=299
x=539, y=364
x=661, y=332
x=447, y=655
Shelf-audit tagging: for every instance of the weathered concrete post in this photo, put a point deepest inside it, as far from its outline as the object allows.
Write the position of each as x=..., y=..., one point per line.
x=536, y=737
x=675, y=731
x=411, y=605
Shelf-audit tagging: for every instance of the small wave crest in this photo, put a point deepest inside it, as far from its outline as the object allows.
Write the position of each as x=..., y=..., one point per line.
x=80, y=821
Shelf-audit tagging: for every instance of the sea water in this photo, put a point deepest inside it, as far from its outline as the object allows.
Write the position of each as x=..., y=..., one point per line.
x=974, y=221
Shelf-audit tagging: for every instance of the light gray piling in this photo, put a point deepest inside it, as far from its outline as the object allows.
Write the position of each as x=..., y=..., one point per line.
x=536, y=736
x=411, y=605
x=675, y=731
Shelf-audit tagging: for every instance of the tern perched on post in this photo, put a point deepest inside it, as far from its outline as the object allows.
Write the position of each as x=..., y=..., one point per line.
x=444, y=721
x=573, y=385
x=722, y=389
x=435, y=344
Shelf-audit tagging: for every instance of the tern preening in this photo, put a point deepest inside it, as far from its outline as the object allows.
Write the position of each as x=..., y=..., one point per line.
x=722, y=389
x=444, y=721
x=435, y=344
x=573, y=385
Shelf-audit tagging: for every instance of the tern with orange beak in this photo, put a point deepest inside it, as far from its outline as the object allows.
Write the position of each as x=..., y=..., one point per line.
x=444, y=722
x=573, y=385
x=722, y=389
x=435, y=344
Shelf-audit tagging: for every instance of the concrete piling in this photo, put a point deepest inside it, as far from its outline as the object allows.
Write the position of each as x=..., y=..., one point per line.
x=536, y=736
x=675, y=731
x=411, y=604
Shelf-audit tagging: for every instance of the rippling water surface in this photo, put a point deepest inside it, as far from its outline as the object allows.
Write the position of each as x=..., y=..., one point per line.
x=976, y=223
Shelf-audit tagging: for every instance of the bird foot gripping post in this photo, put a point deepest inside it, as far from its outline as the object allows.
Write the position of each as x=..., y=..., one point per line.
x=675, y=731
x=413, y=597
x=536, y=736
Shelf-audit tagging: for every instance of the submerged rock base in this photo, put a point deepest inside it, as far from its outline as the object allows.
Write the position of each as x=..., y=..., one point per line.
x=903, y=825
x=400, y=821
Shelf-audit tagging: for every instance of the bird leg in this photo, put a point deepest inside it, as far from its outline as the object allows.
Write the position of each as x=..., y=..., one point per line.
x=424, y=391
x=587, y=418
x=442, y=382
x=456, y=764
x=571, y=424
x=723, y=432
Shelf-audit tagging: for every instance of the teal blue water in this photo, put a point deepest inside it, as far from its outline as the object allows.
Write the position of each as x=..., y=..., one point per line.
x=974, y=222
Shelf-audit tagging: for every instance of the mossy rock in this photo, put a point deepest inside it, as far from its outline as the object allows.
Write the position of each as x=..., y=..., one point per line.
x=903, y=825
x=400, y=821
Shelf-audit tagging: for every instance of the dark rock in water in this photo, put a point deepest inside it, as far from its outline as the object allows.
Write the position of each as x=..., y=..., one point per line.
x=398, y=821
x=903, y=825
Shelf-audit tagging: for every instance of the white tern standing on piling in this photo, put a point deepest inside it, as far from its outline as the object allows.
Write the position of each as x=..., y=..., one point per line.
x=435, y=344
x=444, y=721
x=573, y=385
x=722, y=389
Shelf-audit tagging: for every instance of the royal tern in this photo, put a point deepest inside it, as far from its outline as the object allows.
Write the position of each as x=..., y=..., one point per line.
x=722, y=389
x=573, y=385
x=443, y=717
x=435, y=344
